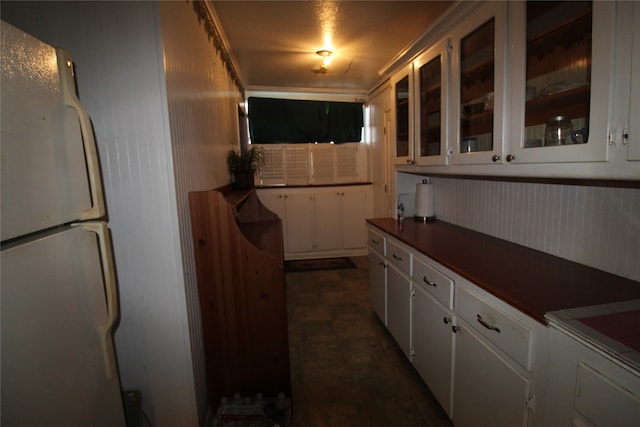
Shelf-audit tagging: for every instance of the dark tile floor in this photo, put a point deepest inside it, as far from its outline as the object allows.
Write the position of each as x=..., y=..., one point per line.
x=346, y=369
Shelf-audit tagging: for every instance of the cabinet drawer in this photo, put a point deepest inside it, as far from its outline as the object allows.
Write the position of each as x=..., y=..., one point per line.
x=399, y=256
x=434, y=282
x=511, y=336
x=376, y=242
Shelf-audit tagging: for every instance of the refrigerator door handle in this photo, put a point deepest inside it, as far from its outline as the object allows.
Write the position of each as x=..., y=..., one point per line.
x=68, y=88
x=106, y=335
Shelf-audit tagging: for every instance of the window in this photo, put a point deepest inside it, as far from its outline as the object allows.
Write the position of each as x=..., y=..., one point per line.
x=314, y=164
x=278, y=121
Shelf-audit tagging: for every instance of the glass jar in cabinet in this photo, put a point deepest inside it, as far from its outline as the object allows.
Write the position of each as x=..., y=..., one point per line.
x=478, y=82
x=402, y=85
x=431, y=89
x=561, y=67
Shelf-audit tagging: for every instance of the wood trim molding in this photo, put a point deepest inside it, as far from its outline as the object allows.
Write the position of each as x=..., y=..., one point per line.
x=590, y=182
x=206, y=17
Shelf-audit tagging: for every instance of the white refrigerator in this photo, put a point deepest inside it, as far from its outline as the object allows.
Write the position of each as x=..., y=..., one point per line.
x=58, y=296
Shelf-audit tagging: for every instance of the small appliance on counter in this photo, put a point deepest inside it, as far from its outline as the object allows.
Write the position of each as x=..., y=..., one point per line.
x=424, y=202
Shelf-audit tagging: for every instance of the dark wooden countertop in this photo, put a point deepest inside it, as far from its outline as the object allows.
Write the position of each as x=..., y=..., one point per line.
x=531, y=281
x=281, y=186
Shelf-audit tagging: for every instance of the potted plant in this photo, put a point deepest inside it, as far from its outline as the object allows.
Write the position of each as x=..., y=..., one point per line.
x=243, y=165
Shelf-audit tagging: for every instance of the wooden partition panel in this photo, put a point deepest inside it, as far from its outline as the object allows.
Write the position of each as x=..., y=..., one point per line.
x=240, y=268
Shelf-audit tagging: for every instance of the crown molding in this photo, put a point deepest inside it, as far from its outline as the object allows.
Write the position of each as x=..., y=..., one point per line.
x=209, y=20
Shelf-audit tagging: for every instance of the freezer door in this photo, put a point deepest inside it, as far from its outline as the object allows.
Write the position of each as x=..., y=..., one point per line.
x=57, y=357
x=48, y=157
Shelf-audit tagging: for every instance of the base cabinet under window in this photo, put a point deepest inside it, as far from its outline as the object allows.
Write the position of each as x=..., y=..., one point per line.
x=321, y=222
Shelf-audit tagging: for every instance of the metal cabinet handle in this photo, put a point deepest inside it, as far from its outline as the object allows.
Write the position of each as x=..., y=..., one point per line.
x=510, y=157
x=396, y=257
x=455, y=329
x=495, y=158
x=375, y=241
x=446, y=320
x=486, y=325
x=425, y=280
x=383, y=265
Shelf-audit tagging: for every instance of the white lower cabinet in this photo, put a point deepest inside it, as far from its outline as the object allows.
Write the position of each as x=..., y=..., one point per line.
x=399, y=307
x=432, y=354
x=587, y=387
x=378, y=284
x=488, y=389
x=321, y=222
x=299, y=210
x=483, y=360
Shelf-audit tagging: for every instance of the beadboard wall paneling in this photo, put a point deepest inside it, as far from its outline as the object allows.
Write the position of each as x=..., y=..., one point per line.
x=595, y=226
x=202, y=107
x=117, y=49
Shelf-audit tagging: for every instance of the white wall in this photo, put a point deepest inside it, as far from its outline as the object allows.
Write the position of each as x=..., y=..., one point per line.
x=141, y=122
x=594, y=226
x=203, y=111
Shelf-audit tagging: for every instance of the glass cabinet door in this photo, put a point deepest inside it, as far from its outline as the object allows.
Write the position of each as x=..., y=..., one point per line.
x=403, y=110
x=431, y=110
x=632, y=130
x=477, y=71
x=562, y=85
x=478, y=66
x=558, y=73
x=402, y=117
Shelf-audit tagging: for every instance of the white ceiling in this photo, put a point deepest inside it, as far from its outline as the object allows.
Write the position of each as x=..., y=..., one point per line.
x=274, y=42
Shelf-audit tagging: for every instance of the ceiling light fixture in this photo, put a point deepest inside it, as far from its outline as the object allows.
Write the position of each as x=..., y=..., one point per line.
x=326, y=57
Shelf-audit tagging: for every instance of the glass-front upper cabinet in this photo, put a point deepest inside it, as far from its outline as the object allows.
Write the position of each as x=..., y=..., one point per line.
x=631, y=133
x=431, y=90
x=560, y=88
x=402, y=86
x=478, y=68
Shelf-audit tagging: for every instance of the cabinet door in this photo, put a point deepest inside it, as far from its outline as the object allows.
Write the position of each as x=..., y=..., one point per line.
x=488, y=390
x=274, y=201
x=585, y=383
x=431, y=90
x=634, y=109
x=328, y=220
x=299, y=223
x=561, y=67
x=354, y=213
x=433, y=345
x=378, y=285
x=403, y=116
x=478, y=70
x=399, y=308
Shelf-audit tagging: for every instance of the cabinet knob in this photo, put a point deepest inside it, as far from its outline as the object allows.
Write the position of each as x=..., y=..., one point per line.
x=495, y=158
x=425, y=280
x=455, y=329
x=397, y=257
x=510, y=157
x=446, y=320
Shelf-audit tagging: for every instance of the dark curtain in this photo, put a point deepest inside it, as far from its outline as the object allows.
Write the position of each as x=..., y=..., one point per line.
x=273, y=121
